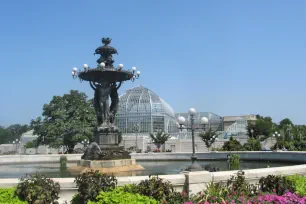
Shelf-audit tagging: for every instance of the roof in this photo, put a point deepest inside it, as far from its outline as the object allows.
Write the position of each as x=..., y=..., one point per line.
x=234, y=118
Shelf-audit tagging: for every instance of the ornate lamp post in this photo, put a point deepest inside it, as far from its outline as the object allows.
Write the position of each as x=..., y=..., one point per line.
x=276, y=134
x=17, y=142
x=85, y=143
x=204, y=121
x=105, y=80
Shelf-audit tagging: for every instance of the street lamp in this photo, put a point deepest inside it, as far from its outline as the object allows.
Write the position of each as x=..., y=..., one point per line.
x=276, y=134
x=252, y=132
x=16, y=142
x=85, y=142
x=204, y=121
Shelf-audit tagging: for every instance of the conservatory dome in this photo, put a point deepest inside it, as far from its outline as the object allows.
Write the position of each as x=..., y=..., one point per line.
x=141, y=106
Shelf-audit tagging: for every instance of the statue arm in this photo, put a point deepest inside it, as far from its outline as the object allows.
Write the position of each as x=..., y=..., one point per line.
x=119, y=85
x=92, y=85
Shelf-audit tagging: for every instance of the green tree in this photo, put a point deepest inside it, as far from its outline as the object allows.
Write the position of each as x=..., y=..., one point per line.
x=31, y=144
x=232, y=145
x=67, y=120
x=283, y=124
x=252, y=145
x=262, y=126
x=208, y=137
x=159, y=138
x=5, y=135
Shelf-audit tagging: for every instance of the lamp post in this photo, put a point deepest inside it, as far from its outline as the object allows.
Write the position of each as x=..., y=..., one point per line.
x=85, y=143
x=276, y=134
x=16, y=142
x=204, y=121
x=252, y=132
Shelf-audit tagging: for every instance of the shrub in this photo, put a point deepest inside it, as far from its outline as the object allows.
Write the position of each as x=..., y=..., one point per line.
x=63, y=161
x=298, y=183
x=156, y=188
x=119, y=196
x=276, y=184
x=232, y=145
x=252, y=145
x=210, y=168
x=91, y=183
x=239, y=186
x=8, y=196
x=38, y=189
x=214, y=192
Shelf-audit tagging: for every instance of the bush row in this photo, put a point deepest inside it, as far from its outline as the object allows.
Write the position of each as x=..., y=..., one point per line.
x=97, y=188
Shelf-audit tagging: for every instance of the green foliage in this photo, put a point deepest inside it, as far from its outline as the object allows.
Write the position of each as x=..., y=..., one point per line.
x=30, y=144
x=159, y=138
x=119, y=196
x=12, y=132
x=63, y=161
x=277, y=184
x=232, y=145
x=8, y=196
x=91, y=183
x=238, y=184
x=233, y=159
x=283, y=124
x=262, y=126
x=208, y=137
x=298, y=183
x=67, y=120
x=38, y=189
x=214, y=193
x=156, y=188
x=252, y=145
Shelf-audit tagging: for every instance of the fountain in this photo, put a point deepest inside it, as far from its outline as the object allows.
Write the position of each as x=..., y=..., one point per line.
x=105, y=154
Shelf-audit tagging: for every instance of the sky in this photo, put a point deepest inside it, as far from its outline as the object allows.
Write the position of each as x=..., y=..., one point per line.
x=227, y=57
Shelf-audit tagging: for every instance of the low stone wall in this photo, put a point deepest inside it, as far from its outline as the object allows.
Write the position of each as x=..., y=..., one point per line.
x=190, y=181
x=296, y=157
x=10, y=159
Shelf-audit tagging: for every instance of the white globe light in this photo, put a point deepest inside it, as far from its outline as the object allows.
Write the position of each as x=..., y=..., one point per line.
x=181, y=120
x=85, y=66
x=216, y=139
x=75, y=69
x=273, y=135
x=133, y=69
x=276, y=133
x=120, y=66
x=279, y=135
x=204, y=121
x=73, y=73
x=102, y=64
x=138, y=73
x=13, y=142
x=192, y=111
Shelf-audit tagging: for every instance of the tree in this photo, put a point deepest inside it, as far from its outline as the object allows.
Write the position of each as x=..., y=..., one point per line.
x=67, y=120
x=17, y=130
x=30, y=144
x=159, y=138
x=262, y=126
x=232, y=145
x=283, y=124
x=252, y=145
x=4, y=135
x=208, y=137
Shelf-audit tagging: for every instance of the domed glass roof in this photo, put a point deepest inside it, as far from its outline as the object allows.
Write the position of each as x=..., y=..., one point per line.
x=142, y=100
x=141, y=107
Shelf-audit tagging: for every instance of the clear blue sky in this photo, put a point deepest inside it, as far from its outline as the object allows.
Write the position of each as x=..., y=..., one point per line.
x=227, y=57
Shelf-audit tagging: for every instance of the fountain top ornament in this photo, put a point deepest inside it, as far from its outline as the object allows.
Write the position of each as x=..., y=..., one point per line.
x=105, y=72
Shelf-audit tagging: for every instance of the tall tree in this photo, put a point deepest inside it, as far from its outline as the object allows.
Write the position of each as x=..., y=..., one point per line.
x=4, y=135
x=208, y=137
x=159, y=138
x=67, y=120
x=285, y=123
x=17, y=130
x=262, y=126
